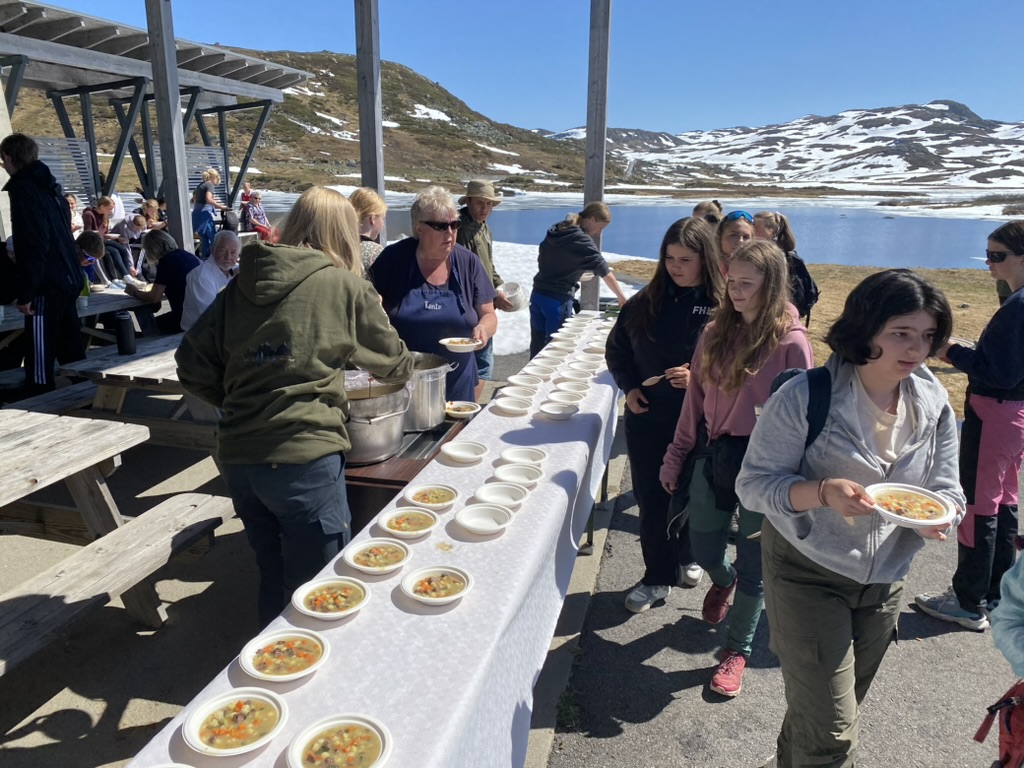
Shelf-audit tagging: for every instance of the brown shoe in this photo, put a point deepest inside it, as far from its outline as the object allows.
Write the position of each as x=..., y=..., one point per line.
x=716, y=602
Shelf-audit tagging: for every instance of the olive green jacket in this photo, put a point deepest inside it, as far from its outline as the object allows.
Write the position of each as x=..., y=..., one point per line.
x=477, y=238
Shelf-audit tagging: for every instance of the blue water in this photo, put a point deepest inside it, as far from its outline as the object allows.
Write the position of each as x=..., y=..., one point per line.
x=824, y=234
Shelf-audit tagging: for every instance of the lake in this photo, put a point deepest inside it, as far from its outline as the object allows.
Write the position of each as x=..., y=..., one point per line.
x=825, y=234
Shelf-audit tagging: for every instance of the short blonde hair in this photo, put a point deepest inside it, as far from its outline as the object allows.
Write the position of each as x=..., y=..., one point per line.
x=367, y=203
x=323, y=219
x=433, y=200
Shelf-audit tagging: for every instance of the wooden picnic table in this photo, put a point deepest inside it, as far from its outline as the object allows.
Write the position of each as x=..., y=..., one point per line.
x=13, y=324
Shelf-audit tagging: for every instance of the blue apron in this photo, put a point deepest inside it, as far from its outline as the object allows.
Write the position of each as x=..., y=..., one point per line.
x=430, y=313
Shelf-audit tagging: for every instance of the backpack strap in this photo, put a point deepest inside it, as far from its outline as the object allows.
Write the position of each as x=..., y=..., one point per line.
x=819, y=401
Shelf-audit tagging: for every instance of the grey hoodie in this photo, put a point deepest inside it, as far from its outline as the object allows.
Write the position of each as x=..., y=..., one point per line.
x=871, y=550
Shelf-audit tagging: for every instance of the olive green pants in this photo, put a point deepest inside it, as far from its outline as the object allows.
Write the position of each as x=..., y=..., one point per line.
x=830, y=634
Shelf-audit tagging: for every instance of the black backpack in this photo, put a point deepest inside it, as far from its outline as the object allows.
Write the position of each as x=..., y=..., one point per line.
x=819, y=397
x=805, y=290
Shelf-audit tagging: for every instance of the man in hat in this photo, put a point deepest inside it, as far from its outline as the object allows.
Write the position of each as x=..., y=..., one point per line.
x=480, y=199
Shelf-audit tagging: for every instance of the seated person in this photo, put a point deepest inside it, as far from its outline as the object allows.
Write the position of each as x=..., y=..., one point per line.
x=132, y=228
x=203, y=284
x=91, y=251
x=255, y=218
x=172, y=268
x=155, y=218
x=77, y=225
x=118, y=260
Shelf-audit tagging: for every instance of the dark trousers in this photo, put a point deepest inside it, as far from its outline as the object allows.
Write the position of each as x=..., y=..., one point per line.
x=547, y=313
x=54, y=333
x=647, y=437
x=980, y=568
x=296, y=518
x=118, y=260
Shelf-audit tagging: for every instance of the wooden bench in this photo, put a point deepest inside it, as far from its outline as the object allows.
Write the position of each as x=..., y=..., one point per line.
x=37, y=610
x=61, y=401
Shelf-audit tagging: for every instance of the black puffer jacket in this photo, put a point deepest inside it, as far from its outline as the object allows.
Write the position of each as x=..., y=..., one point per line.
x=41, y=225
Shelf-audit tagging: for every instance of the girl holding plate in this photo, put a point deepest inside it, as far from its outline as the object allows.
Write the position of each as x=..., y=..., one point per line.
x=833, y=565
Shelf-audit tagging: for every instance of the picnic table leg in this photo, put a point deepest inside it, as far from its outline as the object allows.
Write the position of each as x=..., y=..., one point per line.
x=109, y=398
x=98, y=510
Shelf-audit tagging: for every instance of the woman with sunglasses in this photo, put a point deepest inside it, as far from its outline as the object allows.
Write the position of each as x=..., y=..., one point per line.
x=752, y=337
x=735, y=229
x=655, y=336
x=568, y=250
x=991, y=445
x=432, y=289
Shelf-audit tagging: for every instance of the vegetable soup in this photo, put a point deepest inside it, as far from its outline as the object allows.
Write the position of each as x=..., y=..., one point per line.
x=410, y=522
x=287, y=656
x=914, y=506
x=348, y=745
x=333, y=598
x=433, y=496
x=380, y=556
x=240, y=723
x=443, y=585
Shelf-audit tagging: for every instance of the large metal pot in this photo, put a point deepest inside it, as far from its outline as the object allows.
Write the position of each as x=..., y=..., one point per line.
x=375, y=422
x=426, y=410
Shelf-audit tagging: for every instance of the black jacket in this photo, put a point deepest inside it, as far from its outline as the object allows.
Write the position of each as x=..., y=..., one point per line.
x=41, y=225
x=564, y=255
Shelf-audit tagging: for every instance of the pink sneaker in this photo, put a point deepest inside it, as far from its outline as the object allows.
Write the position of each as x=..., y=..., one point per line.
x=716, y=602
x=728, y=677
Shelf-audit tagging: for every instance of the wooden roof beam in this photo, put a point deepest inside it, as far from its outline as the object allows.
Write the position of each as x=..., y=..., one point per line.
x=123, y=43
x=54, y=29
x=9, y=13
x=31, y=15
x=227, y=68
x=204, y=62
x=191, y=53
x=91, y=37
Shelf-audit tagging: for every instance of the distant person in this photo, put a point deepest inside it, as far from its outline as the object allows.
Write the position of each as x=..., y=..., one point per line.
x=77, y=225
x=47, y=276
x=709, y=210
x=655, y=335
x=91, y=251
x=118, y=260
x=735, y=229
x=432, y=288
x=151, y=210
x=211, y=277
x=254, y=218
x=246, y=193
x=118, y=213
x=474, y=234
x=834, y=569
x=991, y=445
x=371, y=211
x=751, y=339
x=567, y=251
x=270, y=353
x=204, y=203
x=172, y=267
x=776, y=227
x=131, y=229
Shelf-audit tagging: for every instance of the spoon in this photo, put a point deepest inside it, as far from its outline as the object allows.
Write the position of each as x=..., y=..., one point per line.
x=652, y=381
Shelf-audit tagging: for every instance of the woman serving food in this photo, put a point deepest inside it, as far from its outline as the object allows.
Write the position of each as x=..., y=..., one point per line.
x=433, y=289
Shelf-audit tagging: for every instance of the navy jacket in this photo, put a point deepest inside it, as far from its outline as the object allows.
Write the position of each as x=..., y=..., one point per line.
x=564, y=255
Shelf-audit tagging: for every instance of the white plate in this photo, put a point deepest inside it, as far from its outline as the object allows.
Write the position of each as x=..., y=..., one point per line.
x=576, y=387
x=453, y=345
x=464, y=451
x=542, y=371
x=566, y=334
x=385, y=517
x=584, y=365
x=572, y=375
x=410, y=580
x=567, y=398
x=508, y=495
x=484, y=519
x=524, y=455
x=451, y=405
x=245, y=658
x=523, y=393
x=550, y=356
x=525, y=475
x=879, y=488
x=522, y=380
x=202, y=710
x=566, y=346
x=559, y=411
x=411, y=491
x=587, y=357
x=297, y=747
x=354, y=548
x=299, y=597
x=511, y=405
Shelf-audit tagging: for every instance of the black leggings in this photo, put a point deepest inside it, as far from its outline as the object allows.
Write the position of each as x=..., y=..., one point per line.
x=118, y=259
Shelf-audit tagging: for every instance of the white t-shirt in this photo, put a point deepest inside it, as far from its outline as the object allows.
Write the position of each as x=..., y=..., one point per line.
x=883, y=432
x=201, y=287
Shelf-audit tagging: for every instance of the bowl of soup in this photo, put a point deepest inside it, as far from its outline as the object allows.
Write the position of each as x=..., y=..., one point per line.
x=407, y=522
x=509, y=495
x=484, y=519
x=437, y=585
x=284, y=655
x=235, y=722
x=910, y=506
x=525, y=475
x=349, y=740
x=464, y=451
x=461, y=409
x=432, y=496
x=524, y=455
x=331, y=598
x=461, y=344
x=376, y=555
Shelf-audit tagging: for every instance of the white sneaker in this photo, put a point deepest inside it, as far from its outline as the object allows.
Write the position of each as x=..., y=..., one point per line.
x=692, y=574
x=643, y=597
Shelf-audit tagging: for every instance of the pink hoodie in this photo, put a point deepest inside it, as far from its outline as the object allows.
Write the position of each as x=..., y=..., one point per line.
x=730, y=414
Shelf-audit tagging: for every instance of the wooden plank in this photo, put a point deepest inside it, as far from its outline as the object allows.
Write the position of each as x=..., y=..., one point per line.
x=42, y=606
x=60, y=401
x=41, y=520
x=597, y=124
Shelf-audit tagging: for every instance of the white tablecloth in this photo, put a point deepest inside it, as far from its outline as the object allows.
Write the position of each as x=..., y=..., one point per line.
x=453, y=684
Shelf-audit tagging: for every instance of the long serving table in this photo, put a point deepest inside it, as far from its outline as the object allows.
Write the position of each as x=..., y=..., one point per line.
x=453, y=684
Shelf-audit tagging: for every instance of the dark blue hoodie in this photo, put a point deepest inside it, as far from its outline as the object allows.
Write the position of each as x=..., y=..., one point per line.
x=566, y=253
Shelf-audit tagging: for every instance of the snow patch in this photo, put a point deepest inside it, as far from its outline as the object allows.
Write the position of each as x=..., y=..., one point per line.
x=426, y=113
x=495, y=149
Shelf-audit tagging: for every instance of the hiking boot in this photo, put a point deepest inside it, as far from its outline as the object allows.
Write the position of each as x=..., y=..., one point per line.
x=692, y=574
x=728, y=677
x=716, y=602
x=643, y=597
x=947, y=608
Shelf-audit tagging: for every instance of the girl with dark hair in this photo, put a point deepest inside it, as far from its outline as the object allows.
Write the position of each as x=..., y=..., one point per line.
x=655, y=336
x=833, y=567
x=752, y=337
x=991, y=444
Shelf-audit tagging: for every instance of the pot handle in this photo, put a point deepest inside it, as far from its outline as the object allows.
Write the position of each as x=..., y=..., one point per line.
x=374, y=419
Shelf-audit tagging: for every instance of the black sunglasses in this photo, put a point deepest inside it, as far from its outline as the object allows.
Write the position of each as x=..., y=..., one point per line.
x=998, y=257
x=441, y=226
x=739, y=215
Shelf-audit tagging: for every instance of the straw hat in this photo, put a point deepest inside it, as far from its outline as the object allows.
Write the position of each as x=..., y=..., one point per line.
x=481, y=188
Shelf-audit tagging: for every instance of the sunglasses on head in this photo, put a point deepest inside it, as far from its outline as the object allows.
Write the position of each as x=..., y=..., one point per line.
x=441, y=226
x=998, y=257
x=739, y=215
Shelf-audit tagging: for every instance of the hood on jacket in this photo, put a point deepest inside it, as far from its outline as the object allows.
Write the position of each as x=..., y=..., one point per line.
x=569, y=238
x=36, y=173
x=267, y=273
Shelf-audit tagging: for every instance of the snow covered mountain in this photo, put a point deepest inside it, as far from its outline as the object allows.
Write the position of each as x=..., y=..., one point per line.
x=942, y=142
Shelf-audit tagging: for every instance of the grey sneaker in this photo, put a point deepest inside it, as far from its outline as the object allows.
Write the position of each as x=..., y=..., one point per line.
x=947, y=608
x=692, y=574
x=643, y=597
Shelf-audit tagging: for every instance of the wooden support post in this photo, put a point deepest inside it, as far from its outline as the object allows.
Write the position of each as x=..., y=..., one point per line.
x=371, y=135
x=597, y=124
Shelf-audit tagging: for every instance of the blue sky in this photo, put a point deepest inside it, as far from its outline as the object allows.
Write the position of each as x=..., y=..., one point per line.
x=676, y=65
